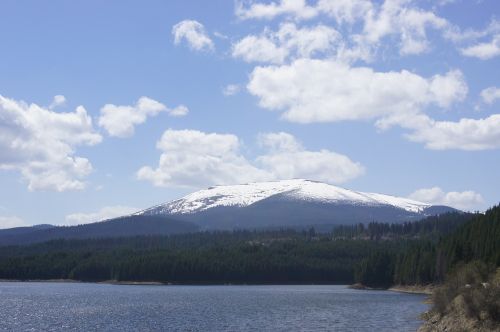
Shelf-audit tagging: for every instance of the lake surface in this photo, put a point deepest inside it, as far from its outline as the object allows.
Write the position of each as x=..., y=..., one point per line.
x=100, y=307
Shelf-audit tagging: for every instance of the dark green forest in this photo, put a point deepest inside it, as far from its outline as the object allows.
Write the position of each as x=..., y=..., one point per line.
x=430, y=260
x=376, y=255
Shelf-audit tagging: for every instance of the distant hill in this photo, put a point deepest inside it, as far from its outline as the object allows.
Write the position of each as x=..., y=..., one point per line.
x=120, y=227
x=296, y=204
x=24, y=230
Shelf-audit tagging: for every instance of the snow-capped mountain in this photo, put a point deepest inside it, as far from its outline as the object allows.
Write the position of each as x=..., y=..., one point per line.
x=289, y=203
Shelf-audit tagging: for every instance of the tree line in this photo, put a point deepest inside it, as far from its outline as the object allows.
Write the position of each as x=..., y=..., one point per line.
x=429, y=260
x=377, y=254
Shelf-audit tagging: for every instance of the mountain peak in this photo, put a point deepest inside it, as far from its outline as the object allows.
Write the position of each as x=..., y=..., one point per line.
x=243, y=195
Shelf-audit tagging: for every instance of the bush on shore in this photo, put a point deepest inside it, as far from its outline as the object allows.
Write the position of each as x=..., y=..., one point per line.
x=472, y=289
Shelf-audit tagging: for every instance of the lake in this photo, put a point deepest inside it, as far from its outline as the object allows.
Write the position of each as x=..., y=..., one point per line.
x=35, y=306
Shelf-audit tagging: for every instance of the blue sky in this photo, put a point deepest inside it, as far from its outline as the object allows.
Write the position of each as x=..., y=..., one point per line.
x=111, y=106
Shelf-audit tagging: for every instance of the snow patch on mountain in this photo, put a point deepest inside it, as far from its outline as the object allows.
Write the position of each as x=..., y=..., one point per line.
x=247, y=194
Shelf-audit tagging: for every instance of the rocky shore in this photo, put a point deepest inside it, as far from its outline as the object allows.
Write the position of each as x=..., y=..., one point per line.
x=456, y=320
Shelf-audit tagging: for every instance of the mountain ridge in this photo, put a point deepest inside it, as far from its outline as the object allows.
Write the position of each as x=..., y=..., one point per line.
x=296, y=204
x=261, y=204
x=250, y=193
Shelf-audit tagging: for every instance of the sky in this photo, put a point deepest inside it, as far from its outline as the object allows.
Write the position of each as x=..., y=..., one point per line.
x=109, y=107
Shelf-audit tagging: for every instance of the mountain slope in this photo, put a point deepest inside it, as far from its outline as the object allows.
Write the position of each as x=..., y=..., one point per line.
x=120, y=227
x=279, y=204
x=290, y=203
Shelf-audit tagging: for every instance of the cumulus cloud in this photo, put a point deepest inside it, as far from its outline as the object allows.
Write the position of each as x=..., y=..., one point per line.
x=484, y=51
x=311, y=90
x=194, y=34
x=40, y=144
x=287, y=42
x=120, y=121
x=107, y=212
x=465, y=134
x=287, y=159
x=11, y=221
x=465, y=200
x=194, y=159
x=58, y=100
x=490, y=95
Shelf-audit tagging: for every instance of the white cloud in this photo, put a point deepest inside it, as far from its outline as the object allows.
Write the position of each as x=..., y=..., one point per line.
x=231, y=89
x=258, y=49
x=309, y=91
x=279, y=142
x=306, y=42
x=107, y=212
x=120, y=121
x=290, y=42
x=396, y=17
x=484, y=51
x=194, y=159
x=11, y=222
x=287, y=159
x=464, y=200
x=490, y=95
x=458, y=35
x=41, y=144
x=194, y=33
x=299, y=9
x=345, y=11
x=369, y=22
x=178, y=111
x=465, y=134
x=449, y=88
x=327, y=91
x=59, y=100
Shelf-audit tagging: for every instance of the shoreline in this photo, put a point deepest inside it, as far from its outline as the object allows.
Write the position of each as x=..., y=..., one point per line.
x=400, y=289
x=413, y=289
x=160, y=283
x=106, y=282
x=409, y=289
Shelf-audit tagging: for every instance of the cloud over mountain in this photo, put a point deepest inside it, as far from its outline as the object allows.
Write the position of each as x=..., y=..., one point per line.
x=194, y=158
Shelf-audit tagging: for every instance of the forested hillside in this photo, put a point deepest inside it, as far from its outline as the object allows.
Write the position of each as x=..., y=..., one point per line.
x=428, y=261
x=241, y=257
x=377, y=254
